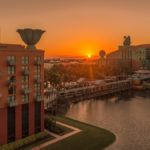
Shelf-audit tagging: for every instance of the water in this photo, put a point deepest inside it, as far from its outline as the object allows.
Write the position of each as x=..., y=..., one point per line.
x=127, y=117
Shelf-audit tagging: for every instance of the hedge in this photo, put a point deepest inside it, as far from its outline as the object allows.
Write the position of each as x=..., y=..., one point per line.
x=23, y=142
x=50, y=125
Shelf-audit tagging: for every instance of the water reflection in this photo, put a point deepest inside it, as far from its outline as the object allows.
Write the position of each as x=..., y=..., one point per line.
x=127, y=116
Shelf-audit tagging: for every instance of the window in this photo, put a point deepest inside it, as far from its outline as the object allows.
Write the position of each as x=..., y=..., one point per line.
x=25, y=98
x=25, y=68
x=11, y=70
x=37, y=76
x=37, y=58
x=10, y=124
x=25, y=120
x=37, y=117
x=11, y=90
x=37, y=94
x=11, y=98
x=25, y=86
x=11, y=58
x=37, y=86
x=25, y=59
x=25, y=79
x=11, y=78
x=37, y=68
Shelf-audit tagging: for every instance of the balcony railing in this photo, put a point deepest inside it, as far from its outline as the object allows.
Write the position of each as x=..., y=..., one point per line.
x=38, y=62
x=12, y=62
x=12, y=103
x=26, y=72
x=39, y=98
x=25, y=100
x=12, y=83
x=38, y=80
x=26, y=91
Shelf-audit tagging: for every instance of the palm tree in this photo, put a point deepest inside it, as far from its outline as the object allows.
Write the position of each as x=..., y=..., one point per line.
x=102, y=53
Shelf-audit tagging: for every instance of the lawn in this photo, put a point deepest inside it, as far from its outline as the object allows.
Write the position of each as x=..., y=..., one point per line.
x=65, y=129
x=91, y=137
x=38, y=143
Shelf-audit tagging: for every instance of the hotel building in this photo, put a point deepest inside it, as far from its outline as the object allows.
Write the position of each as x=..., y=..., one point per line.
x=135, y=56
x=21, y=92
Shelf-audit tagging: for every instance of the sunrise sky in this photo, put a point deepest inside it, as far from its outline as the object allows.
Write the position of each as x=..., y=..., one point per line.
x=77, y=27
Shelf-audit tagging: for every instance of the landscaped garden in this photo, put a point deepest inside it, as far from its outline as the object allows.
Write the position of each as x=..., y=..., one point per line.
x=50, y=125
x=91, y=137
x=28, y=142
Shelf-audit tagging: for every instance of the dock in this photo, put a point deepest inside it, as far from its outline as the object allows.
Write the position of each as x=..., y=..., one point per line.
x=95, y=91
x=102, y=89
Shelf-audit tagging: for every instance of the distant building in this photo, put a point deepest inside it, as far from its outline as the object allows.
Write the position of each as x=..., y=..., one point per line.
x=48, y=65
x=21, y=92
x=136, y=56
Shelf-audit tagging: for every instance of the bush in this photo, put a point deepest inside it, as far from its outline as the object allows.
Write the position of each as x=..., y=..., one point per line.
x=18, y=143
x=56, y=130
x=42, y=134
x=28, y=140
x=51, y=125
x=48, y=122
x=5, y=147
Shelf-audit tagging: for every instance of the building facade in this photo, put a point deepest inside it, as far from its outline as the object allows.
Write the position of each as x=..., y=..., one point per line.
x=21, y=92
x=136, y=56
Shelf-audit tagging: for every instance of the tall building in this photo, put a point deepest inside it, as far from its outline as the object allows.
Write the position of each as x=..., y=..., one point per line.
x=21, y=92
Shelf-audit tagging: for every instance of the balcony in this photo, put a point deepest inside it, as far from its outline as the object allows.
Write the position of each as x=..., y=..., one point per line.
x=25, y=99
x=26, y=91
x=38, y=80
x=38, y=62
x=12, y=103
x=12, y=82
x=26, y=72
x=39, y=98
x=12, y=62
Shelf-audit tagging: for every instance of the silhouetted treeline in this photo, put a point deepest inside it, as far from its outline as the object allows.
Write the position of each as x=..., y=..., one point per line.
x=67, y=73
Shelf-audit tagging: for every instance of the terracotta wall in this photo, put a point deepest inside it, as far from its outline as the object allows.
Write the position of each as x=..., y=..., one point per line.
x=3, y=126
x=18, y=52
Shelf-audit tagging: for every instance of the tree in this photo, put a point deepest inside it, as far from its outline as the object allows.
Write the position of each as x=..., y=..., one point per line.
x=55, y=79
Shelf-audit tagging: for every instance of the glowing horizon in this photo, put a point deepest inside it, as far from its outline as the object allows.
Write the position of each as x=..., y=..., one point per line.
x=77, y=28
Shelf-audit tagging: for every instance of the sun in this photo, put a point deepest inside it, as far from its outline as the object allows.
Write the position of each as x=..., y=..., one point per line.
x=89, y=55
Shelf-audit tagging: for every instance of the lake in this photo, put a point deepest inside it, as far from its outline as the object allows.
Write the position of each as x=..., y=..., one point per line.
x=127, y=116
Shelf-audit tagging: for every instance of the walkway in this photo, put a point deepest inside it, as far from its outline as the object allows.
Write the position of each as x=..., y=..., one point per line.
x=58, y=137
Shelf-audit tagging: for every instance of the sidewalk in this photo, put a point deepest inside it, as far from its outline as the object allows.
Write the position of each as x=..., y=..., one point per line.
x=58, y=137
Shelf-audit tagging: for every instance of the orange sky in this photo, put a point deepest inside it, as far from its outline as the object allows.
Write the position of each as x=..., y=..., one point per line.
x=77, y=27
